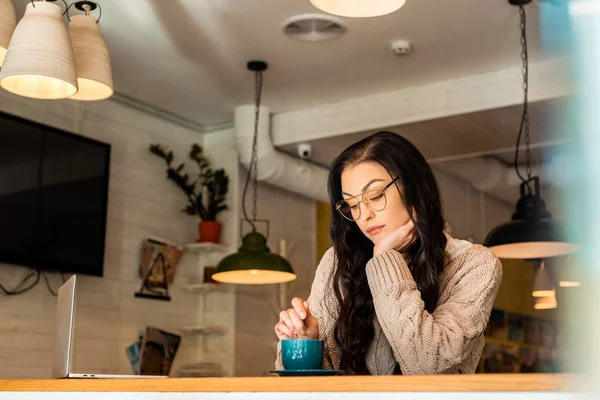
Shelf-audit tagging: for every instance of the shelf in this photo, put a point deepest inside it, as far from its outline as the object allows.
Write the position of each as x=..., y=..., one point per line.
x=207, y=248
x=204, y=329
x=504, y=342
x=205, y=287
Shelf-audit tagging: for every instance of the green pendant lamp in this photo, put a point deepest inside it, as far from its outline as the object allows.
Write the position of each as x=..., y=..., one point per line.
x=254, y=264
x=532, y=233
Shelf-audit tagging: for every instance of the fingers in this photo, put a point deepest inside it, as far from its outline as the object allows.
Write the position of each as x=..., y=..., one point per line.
x=285, y=319
x=294, y=322
x=291, y=319
x=297, y=321
x=298, y=305
x=282, y=331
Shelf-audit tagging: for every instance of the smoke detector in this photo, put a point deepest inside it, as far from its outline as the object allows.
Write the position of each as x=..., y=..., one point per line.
x=313, y=27
x=401, y=47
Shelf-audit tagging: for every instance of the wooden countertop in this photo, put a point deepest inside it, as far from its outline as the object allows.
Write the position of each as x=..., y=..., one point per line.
x=440, y=383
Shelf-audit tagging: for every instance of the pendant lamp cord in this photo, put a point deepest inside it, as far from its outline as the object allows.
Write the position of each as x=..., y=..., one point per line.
x=525, y=117
x=253, y=167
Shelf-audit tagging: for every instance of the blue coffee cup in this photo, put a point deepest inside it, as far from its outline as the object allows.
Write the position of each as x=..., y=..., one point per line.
x=302, y=353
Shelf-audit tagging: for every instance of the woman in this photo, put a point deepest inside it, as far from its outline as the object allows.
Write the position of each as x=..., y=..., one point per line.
x=395, y=294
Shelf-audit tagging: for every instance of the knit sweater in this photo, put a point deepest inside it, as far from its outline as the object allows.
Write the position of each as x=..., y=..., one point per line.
x=448, y=340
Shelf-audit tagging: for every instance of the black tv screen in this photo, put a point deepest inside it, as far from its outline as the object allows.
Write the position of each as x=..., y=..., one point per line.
x=53, y=198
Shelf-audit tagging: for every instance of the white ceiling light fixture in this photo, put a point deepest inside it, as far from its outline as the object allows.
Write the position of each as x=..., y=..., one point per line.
x=542, y=285
x=94, y=72
x=39, y=62
x=8, y=22
x=358, y=8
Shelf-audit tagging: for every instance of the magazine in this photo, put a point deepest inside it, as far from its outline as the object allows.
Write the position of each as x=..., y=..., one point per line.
x=151, y=252
x=158, y=351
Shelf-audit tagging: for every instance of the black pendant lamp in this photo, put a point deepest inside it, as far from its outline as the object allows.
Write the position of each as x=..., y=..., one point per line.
x=254, y=263
x=532, y=233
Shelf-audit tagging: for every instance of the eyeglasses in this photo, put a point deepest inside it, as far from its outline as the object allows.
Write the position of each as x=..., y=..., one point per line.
x=374, y=199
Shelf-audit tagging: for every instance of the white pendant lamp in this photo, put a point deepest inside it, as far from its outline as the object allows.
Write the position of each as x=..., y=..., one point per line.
x=40, y=62
x=94, y=74
x=542, y=285
x=8, y=22
x=358, y=8
x=545, y=303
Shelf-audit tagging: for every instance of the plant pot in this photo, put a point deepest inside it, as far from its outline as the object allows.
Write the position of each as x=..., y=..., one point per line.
x=209, y=231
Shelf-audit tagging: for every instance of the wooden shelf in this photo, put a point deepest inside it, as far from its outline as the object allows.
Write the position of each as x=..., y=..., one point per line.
x=204, y=329
x=205, y=287
x=207, y=248
x=504, y=342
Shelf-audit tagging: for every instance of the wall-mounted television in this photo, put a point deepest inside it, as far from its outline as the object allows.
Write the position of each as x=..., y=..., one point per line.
x=53, y=198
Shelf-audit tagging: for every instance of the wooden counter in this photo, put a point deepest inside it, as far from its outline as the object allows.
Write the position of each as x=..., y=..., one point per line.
x=375, y=384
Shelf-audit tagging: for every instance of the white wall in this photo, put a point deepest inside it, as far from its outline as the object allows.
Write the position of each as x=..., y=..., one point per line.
x=141, y=203
x=469, y=211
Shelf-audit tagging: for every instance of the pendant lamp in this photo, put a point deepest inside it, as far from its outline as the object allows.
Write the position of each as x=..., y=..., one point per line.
x=532, y=233
x=569, y=276
x=542, y=284
x=8, y=22
x=358, y=8
x=254, y=263
x=40, y=62
x=545, y=303
x=94, y=74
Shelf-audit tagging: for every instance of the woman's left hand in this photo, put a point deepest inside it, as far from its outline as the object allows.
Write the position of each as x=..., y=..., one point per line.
x=398, y=239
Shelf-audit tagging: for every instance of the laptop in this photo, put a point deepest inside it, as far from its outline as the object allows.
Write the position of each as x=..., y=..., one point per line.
x=63, y=341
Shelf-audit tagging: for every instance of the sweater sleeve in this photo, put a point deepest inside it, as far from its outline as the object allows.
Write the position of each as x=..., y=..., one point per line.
x=319, y=306
x=431, y=343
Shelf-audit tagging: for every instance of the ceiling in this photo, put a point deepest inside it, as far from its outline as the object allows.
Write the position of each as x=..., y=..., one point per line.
x=447, y=142
x=484, y=133
x=188, y=57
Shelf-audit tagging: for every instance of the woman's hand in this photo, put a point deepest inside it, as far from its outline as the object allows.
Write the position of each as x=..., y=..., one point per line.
x=399, y=239
x=297, y=322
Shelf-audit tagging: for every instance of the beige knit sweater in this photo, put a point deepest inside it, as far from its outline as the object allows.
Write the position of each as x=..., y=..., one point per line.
x=449, y=340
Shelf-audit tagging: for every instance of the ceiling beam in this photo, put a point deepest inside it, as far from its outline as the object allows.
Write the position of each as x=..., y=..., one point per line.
x=547, y=80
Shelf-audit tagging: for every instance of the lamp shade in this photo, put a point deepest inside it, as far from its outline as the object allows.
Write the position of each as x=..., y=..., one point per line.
x=531, y=233
x=358, y=8
x=545, y=303
x=254, y=264
x=542, y=285
x=8, y=22
x=39, y=62
x=94, y=75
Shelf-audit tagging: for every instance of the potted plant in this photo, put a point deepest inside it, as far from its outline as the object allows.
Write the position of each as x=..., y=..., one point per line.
x=205, y=194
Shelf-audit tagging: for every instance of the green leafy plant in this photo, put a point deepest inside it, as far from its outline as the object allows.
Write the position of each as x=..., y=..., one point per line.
x=205, y=194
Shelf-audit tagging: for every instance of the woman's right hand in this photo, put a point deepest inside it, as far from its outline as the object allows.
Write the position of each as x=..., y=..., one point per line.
x=297, y=322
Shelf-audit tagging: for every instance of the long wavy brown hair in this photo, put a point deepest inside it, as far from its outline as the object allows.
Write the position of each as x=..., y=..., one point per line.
x=354, y=329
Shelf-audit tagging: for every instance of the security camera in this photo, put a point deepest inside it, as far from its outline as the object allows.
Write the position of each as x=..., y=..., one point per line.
x=304, y=150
